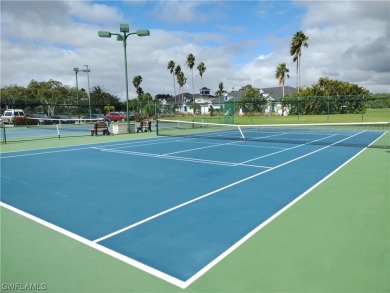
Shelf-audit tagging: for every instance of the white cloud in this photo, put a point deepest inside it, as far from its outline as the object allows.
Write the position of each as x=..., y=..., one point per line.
x=264, y=57
x=351, y=43
x=348, y=40
x=95, y=12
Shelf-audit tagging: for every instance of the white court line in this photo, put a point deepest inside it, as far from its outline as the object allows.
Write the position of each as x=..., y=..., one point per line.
x=210, y=193
x=261, y=226
x=200, y=148
x=160, y=274
x=45, y=153
x=194, y=160
x=98, y=247
x=288, y=149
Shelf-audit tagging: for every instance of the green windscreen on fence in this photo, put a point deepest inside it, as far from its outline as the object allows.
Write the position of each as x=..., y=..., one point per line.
x=338, y=134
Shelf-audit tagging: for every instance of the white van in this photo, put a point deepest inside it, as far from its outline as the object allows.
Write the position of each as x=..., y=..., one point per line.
x=10, y=114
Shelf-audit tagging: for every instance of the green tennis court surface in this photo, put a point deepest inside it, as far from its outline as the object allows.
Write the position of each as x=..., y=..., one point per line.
x=247, y=272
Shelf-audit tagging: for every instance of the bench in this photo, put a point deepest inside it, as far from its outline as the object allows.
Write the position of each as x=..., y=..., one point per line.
x=100, y=126
x=145, y=126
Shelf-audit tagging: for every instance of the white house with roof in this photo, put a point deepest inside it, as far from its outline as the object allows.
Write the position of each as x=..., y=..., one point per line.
x=273, y=95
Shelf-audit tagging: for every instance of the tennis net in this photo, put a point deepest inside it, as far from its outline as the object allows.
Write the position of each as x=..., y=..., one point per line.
x=45, y=128
x=367, y=134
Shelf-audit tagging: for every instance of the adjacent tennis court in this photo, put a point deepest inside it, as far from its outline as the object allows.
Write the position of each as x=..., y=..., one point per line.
x=175, y=206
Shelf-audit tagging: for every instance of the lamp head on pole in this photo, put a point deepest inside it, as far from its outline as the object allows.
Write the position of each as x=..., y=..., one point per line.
x=143, y=33
x=124, y=28
x=104, y=34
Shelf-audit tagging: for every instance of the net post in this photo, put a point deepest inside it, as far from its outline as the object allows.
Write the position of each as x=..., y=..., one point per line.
x=157, y=126
x=3, y=136
x=242, y=134
x=58, y=132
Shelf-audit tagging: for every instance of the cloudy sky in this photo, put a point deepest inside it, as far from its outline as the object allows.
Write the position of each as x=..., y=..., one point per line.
x=240, y=42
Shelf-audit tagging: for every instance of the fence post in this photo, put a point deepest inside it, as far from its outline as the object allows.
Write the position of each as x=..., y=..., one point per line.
x=328, y=98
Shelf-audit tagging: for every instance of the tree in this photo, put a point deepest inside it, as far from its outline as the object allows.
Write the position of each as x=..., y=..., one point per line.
x=171, y=68
x=330, y=97
x=252, y=100
x=50, y=93
x=202, y=69
x=219, y=93
x=281, y=73
x=137, y=84
x=246, y=87
x=196, y=108
x=220, y=90
x=177, y=71
x=99, y=97
x=190, y=63
x=181, y=80
x=298, y=41
x=14, y=96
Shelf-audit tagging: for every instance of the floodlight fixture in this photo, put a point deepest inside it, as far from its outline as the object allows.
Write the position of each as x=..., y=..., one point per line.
x=124, y=28
x=104, y=34
x=143, y=33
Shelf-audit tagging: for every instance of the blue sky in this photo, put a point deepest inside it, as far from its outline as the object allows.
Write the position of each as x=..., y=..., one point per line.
x=240, y=42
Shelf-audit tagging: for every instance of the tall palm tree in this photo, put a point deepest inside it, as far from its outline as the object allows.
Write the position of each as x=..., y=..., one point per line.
x=298, y=41
x=137, y=84
x=201, y=68
x=171, y=68
x=181, y=80
x=281, y=74
x=190, y=63
x=177, y=71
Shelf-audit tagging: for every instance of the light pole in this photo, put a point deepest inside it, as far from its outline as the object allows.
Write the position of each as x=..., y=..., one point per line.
x=89, y=92
x=77, y=70
x=124, y=28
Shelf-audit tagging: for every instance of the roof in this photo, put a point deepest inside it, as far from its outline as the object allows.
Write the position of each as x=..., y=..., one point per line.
x=277, y=92
x=271, y=92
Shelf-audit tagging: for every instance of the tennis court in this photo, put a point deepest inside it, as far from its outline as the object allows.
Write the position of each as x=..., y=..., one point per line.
x=174, y=206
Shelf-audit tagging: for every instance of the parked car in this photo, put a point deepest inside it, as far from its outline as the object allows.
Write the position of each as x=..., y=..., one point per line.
x=41, y=119
x=97, y=117
x=131, y=115
x=62, y=119
x=10, y=115
x=116, y=116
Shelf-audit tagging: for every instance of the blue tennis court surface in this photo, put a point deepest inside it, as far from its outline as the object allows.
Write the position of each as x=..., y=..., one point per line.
x=171, y=206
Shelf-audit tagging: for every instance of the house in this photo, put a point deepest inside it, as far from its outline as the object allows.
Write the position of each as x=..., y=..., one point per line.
x=277, y=92
x=184, y=101
x=273, y=94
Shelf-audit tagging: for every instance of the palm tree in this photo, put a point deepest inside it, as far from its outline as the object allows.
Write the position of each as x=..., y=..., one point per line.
x=137, y=82
x=171, y=68
x=99, y=97
x=181, y=80
x=177, y=71
x=281, y=74
x=299, y=40
x=201, y=68
x=190, y=63
x=220, y=92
